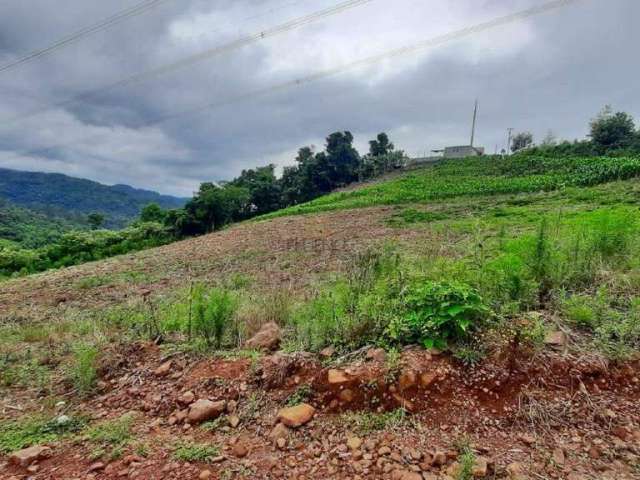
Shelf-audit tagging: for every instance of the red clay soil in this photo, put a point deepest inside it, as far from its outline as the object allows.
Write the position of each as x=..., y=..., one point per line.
x=550, y=416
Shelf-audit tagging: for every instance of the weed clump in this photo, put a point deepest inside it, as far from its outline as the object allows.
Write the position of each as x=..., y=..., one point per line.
x=83, y=370
x=111, y=437
x=437, y=314
x=213, y=311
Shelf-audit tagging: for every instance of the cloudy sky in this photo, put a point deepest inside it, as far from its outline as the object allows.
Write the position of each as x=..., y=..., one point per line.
x=552, y=71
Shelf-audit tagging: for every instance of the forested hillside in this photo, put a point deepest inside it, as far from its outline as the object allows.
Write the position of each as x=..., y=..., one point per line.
x=32, y=229
x=58, y=196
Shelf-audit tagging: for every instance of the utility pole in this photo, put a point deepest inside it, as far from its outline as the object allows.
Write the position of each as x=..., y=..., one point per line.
x=473, y=126
x=510, y=130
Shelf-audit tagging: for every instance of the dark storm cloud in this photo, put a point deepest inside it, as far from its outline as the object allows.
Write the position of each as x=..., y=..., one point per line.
x=553, y=72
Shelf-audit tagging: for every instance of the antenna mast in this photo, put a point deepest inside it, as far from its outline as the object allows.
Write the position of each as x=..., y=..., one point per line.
x=473, y=126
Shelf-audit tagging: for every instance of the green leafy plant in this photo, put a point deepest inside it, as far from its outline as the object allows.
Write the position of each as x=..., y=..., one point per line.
x=437, y=313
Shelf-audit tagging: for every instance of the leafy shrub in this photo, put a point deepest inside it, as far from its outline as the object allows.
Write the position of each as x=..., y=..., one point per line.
x=438, y=313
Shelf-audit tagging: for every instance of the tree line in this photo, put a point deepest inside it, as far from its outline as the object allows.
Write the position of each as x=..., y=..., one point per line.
x=258, y=191
x=609, y=133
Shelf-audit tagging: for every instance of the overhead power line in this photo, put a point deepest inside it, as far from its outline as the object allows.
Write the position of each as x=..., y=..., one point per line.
x=83, y=32
x=406, y=50
x=397, y=52
x=199, y=57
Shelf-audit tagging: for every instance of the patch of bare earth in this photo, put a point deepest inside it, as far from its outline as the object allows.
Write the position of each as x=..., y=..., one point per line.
x=547, y=416
x=289, y=251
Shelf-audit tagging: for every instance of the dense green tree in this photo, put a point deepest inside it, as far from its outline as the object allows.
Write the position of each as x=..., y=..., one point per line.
x=95, y=220
x=611, y=131
x=263, y=187
x=382, y=158
x=342, y=159
x=521, y=140
x=380, y=146
x=214, y=206
x=153, y=213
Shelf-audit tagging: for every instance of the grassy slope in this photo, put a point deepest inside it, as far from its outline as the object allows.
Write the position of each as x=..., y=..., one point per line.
x=476, y=177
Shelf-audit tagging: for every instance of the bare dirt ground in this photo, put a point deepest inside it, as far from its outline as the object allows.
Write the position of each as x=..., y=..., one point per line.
x=548, y=416
x=289, y=251
x=520, y=415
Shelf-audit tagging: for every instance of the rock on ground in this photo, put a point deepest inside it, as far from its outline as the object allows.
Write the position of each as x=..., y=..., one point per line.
x=297, y=416
x=204, y=410
x=268, y=338
x=27, y=456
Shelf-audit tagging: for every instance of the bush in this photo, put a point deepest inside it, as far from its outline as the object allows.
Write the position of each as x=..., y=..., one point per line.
x=438, y=313
x=213, y=311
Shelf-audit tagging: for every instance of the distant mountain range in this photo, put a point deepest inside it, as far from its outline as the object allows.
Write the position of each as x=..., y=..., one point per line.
x=59, y=196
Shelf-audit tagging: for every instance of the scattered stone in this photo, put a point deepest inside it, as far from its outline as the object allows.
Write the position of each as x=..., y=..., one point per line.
x=204, y=475
x=354, y=443
x=164, y=369
x=281, y=443
x=204, y=410
x=187, y=398
x=297, y=416
x=377, y=355
x=240, y=450
x=384, y=450
x=27, y=456
x=336, y=377
x=405, y=475
x=480, y=467
x=347, y=395
x=234, y=421
x=527, y=439
x=327, y=352
x=556, y=339
x=94, y=467
x=268, y=338
x=427, y=378
x=558, y=457
x=515, y=471
x=280, y=431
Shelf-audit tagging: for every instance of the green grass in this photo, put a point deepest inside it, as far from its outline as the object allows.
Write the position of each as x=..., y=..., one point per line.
x=112, y=437
x=368, y=422
x=195, y=452
x=34, y=430
x=475, y=177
